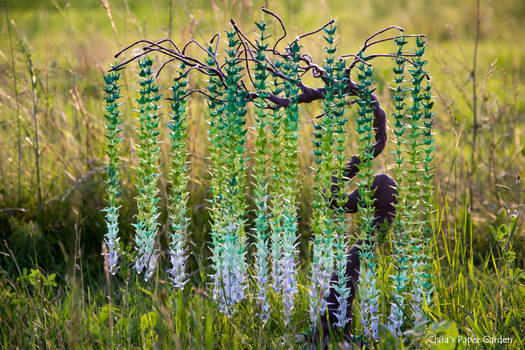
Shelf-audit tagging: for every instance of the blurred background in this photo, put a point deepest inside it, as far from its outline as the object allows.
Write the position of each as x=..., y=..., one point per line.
x=54, y=54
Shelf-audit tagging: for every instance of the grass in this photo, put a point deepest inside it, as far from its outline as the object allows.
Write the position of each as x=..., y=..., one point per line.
x=55, y=98
x=65, y=311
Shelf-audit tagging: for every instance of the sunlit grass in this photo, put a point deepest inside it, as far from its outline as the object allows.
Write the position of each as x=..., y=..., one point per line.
x=479, y=284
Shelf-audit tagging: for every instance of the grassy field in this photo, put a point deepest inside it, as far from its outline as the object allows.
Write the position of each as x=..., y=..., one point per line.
x=53, y=289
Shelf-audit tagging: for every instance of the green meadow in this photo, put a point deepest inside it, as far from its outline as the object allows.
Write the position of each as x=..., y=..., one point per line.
x=54, y=290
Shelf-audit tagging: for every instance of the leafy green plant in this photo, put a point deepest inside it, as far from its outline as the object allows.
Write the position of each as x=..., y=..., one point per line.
x=428, y=185
x=229, y=246
x=329, y=226
x=368, y=292
x=113, y=139
x=262, y=176
x=416, y=176
x=146, y=225
x=400, y=235
x=414, y=223
x=341, y=243
x=322, y=220
x=217, y=177
x=276, y=190
x=178, y=177
x=288, y=262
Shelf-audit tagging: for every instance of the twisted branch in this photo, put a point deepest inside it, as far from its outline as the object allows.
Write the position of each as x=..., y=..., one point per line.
x=246, y=52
